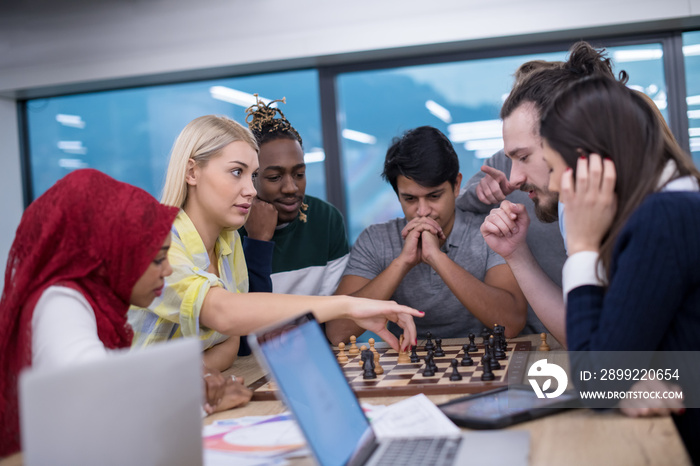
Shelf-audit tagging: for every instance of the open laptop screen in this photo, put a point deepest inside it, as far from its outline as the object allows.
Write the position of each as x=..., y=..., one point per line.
x=315, y=389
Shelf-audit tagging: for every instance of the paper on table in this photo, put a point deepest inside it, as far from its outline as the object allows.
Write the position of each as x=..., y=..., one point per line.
x=413, y=417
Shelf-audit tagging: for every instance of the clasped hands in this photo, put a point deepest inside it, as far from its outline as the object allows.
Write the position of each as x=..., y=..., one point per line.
x=422, y=238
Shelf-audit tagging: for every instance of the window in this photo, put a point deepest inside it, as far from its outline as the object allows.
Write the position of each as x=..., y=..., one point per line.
x=128, y=133
x=691, y=53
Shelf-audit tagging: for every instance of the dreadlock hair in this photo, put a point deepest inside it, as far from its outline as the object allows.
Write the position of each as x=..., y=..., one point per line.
x=539, y=84
x=268, y=123
x=266, y=127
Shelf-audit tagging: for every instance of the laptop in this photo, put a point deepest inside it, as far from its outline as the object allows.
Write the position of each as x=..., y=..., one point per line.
x=313, y=386
x=134, y=407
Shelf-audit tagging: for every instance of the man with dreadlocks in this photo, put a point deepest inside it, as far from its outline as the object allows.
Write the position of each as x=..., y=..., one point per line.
x=311, y=245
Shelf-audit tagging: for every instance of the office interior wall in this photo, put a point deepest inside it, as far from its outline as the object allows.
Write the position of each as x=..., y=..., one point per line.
x=76, y=45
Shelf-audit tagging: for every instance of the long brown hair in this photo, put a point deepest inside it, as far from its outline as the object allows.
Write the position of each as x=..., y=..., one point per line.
x=600, y=115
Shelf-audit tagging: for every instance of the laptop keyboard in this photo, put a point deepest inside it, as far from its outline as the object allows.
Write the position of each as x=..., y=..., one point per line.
x=419, y=451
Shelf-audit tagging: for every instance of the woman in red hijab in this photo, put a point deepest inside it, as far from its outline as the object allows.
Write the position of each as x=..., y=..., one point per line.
x=84, y=251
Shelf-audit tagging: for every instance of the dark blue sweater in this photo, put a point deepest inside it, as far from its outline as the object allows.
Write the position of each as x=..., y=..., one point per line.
x=652, y=302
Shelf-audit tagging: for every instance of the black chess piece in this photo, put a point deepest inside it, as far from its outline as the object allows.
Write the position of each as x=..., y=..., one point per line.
x=495, y=365
x=504, y=343
x=455, y=373
x=472, y=346
x=429, y=345
x=466, y=360
x=414, y=354
x=439, y=352
x=431, y=356
x=488, y=373
x=428, y=371
x=368, y=365
x=498, y=348
x=485, y=334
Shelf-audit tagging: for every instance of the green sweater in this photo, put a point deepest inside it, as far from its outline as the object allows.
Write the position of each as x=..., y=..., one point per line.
x=309, y=257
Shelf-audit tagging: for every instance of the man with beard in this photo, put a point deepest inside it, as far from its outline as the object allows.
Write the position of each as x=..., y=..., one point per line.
x=534, y=251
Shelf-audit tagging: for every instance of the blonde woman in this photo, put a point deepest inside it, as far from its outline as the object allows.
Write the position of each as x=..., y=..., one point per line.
x=210, y=178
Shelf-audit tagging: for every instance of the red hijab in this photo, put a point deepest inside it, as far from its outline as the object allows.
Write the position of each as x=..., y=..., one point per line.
x=88, y=232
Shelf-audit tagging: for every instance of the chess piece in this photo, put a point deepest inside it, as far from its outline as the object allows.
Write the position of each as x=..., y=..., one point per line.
x=439, y=352
x=403, y=354
x=377, y=367
x=414, y=354
x=455, y=376
x=363, y=348
x=368, y=364
x=371, y=345
x=543, y=346
x=495, y=365
x=342, y=357
x=466, y=360
x=353, y=351
x=487, y=375
x=472, y=346
x=485, y=334
x=499, y=344
x=428, y=371
x=429, y=345
x=431, y=356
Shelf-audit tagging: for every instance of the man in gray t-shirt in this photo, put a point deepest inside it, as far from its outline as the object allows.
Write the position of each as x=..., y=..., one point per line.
x=435, y=259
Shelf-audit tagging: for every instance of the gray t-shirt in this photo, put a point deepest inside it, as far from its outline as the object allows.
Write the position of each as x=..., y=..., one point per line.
x=422, y=288
x=544, y=239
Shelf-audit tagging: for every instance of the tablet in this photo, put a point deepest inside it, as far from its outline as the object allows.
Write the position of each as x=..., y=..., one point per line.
x=504, y=407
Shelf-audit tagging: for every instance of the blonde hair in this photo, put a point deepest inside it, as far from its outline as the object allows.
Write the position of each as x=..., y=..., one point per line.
x=200, y=140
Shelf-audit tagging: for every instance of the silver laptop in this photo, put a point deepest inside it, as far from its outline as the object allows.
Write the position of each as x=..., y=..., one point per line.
x=139, y=407
x=312, y=385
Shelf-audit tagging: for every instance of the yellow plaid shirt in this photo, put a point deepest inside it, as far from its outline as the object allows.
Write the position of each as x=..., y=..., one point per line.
x=175, y=313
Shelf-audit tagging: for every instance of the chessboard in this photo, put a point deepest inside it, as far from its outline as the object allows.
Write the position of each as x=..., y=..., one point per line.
x=407, y=379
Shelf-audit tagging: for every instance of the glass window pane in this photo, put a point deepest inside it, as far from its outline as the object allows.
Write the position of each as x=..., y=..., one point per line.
x=462, y=99
x=691, y=53
x=128, y=133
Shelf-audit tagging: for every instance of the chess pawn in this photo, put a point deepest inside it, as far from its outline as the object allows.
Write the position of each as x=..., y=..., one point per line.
x=378, y=369
x=371, y=345
x=342, y=357
x=431, y=356
x=466, y=360
x=472, y=346
x=543, y=346
x=353, y=351
x=429, y=345
x=362, y=348
x=403, y=355
x=487, y=375
x=414, y=354
x=439, y=352
x=428, y=371
x=455, y=376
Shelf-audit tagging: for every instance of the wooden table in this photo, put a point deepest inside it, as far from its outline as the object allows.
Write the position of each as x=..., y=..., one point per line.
x=573, y=437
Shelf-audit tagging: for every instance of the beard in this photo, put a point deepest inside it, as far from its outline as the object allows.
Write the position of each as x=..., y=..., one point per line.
x=546, y=203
